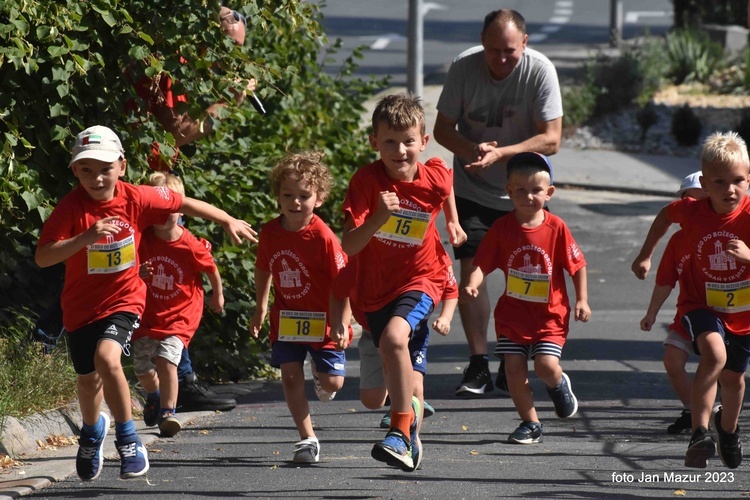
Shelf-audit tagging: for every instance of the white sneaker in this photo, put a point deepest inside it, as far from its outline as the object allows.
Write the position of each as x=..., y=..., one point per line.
x=324, y=396
x=307, y=451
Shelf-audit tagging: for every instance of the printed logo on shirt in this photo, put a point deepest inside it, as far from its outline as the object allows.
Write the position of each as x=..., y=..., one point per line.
x=714, y=261
x=164, y=192
x=111, y=330
x=166, y=278
x=340, y=262
x=294, y=277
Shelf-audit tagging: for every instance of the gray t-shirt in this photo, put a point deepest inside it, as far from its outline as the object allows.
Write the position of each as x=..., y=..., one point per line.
x=503, y=111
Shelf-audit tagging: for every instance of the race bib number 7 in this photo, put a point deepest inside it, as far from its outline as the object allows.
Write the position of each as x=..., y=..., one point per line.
x=109, y=258
x=531, y=287
x=728, y=297
x=302, y=326
x=406, y=226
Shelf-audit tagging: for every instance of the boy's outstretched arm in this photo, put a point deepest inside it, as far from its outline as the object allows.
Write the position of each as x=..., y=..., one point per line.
x=580, y=282
x=658, y=296
x=355, y=238
x=341, y=317
x=442, y=324
x=59, y=251
x=216, y=303
x=659, y=227
x=237, y=229
x=262, y=292
x=456, y=233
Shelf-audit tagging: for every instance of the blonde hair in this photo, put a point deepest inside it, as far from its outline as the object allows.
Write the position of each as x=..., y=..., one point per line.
x=399, y=112
x=725, y=148
x=530, y=171
x=307, y=166
x=169, y=180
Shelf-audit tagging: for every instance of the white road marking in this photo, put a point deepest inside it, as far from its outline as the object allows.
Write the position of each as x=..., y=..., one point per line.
x=632, y=17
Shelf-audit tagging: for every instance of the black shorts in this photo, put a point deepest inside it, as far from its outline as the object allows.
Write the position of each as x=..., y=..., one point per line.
x=83, y=342
x=414, y=307
x=475, y=219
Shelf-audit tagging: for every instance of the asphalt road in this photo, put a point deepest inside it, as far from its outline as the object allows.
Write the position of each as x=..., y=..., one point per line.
x=616, y=446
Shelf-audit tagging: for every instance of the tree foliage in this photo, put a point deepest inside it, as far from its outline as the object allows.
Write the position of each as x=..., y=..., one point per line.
x=70, y=64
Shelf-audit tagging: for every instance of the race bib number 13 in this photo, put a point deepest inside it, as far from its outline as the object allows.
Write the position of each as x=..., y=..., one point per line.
x=109, y=258
x=302, y=326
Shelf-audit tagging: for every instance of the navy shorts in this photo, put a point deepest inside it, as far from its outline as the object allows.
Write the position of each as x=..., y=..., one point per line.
x=118, y=327
x=738, y=346
x=415, y=307
x=327, y=361
x=475, y=219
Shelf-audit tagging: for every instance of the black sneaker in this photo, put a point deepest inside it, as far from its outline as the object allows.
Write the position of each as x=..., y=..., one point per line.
x=683, y=423
x=476, y=382
x=151, y=411
x=501, y=382
x=730, y=447
x=701, y=448
x=194, y=395
x=527, y=433
x=566, y=404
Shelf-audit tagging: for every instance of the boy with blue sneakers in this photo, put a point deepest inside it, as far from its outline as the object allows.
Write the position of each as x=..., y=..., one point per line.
x=96, y=230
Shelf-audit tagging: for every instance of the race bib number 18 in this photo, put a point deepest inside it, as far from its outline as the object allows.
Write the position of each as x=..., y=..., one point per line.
x=302, y=326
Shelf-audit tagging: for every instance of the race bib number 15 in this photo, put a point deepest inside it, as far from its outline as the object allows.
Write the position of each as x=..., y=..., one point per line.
x=406, y=226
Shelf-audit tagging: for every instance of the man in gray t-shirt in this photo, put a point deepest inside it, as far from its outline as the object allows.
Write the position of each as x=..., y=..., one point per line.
x=498, y=100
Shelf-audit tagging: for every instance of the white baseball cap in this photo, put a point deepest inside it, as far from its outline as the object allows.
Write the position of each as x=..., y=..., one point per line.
x=692, y=181
x=99, y=143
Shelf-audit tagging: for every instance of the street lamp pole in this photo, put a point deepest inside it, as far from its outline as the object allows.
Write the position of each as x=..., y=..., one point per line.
x=415, y=62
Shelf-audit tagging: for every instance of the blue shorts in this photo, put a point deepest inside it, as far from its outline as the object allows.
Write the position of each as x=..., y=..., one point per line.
x=327, y=361
x=505, y=346
x=738, y=346
x=118, y=327
x=414, y=307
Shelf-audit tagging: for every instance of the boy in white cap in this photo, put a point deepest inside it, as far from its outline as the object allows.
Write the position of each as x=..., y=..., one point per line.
x=677, y=345
x=96, y=230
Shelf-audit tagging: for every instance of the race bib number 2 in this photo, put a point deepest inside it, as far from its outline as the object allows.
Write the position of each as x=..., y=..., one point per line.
x=406, y=226
x=109, y=258
x=728, y=297
x=302, y=326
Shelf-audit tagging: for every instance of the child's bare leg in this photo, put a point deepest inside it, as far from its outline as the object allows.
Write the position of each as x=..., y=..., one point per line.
x=548, y=369
x=394, y=350
x=517, y=373
x=116, y=389
x=373, y=399
x=712, y=360
x=90, y=397
x=168, y=378
x=674, y=363
x=293, y=382
x=149, y=381
x=418, y=391
x=732, y=393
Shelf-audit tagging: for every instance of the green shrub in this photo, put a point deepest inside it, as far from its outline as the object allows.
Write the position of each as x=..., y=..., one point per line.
x=686, y=126
x=692, y=12
x=646, y=118
x=620, y=81
x=61, y=70
x=692, y=56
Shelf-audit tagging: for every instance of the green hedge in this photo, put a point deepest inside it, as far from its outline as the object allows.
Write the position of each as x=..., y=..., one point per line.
x=62, y=67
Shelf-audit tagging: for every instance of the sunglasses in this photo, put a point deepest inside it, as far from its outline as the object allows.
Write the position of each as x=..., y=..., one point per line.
x=237, y=18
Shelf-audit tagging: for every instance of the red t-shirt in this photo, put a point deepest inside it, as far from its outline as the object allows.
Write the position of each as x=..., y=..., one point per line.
x=711, y=278
x=670, y=269
x=401, y=257
x=303, y=265
x=174, y=303
x=534, y=305
x=102, y=279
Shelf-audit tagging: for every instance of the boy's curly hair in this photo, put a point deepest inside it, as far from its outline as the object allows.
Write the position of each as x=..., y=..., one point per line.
x=307, y=166
x=399, y=112
x=169, y=180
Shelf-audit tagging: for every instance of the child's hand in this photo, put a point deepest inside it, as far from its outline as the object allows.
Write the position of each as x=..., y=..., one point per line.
x=340, y=336
x=103, y=227
x=239, y=230
x=647, y=322
x=467, y=293
x=217, y=302
x=582, y=311
x=739, y=250
x=146, y=270
x=388, y=204
x=256, y=322
x=456, y=233
x=641, y=267
x=442, y=326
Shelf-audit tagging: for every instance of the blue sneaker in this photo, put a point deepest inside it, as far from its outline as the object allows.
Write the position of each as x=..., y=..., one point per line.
x=90, y=458
x=134, y=458
x=395, y=450
x=416, y=444
x=428, y=410
x=151, y=411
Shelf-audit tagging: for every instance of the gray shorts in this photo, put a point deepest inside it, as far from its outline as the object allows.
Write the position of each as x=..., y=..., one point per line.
x=370, y=364
x=145, y=349
x=678, y=341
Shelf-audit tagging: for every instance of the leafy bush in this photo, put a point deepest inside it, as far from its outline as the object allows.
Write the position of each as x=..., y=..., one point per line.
x=692, y=12
x=686, y=126
x=70, y=64
x=620, y=81
x=692, y=56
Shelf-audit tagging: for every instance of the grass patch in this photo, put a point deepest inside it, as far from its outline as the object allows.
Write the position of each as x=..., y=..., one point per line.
x=31, y=381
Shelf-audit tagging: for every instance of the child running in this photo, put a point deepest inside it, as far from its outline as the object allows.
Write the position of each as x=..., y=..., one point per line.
x=677, y=345
x=173, y=263
x=716, y=306
x=532, y=247
x=96, y=230
x=301, y=257
x=390, y=211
